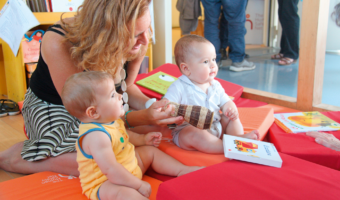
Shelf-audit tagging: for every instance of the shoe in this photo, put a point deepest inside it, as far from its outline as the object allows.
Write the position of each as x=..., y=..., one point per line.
x=246, y=55
x=223, y=54
x=219, y=63
x=287, y=61
x=8, y=107
x=3, y=113
x=277, y=56
x=242, y=66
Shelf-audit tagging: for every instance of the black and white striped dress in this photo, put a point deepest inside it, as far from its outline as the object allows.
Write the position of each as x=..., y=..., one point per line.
x=51, y=130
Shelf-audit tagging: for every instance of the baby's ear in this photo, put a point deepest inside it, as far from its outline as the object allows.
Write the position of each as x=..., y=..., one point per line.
x=184, y=69
x=91, y=112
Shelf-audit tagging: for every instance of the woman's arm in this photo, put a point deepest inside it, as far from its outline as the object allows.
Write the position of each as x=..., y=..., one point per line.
x=153, y=115
x=137, y=99
x=325, y=139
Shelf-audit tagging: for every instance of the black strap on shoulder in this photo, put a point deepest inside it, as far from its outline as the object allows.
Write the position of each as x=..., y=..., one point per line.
x=52, y=28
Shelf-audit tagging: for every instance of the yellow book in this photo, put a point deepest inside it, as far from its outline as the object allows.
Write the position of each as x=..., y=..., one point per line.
x=158, y=82
x=305, y=121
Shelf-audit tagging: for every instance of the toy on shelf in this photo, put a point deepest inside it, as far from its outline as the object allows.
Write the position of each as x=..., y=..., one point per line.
x=31, y=46
x=198, y=116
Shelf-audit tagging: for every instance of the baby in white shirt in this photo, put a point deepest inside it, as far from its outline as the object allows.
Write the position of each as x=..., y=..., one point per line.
x=196, y=58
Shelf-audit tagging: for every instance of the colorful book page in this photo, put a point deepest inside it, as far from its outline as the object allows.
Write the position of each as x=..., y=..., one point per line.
x=305, y=121
x=158, y=82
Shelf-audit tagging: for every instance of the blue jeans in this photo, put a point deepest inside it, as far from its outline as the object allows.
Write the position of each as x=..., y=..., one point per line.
x=290, y=22
x=234, y=13
x=224, y=31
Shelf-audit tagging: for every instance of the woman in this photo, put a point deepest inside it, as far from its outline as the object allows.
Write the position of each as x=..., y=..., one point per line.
x=104, y=35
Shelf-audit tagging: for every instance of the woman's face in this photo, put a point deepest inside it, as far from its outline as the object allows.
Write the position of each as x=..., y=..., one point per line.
x=141, y=32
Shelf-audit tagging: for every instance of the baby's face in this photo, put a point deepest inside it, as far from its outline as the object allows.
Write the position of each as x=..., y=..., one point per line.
x=109, y=102
x=201, y=62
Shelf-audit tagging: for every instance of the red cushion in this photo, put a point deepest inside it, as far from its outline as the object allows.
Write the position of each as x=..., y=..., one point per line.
x=297, y=179
x=305, y=147
x=231, y=89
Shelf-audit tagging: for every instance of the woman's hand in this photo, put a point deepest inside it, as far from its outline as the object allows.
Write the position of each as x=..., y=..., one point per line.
x=325, y=139
x=160, y=117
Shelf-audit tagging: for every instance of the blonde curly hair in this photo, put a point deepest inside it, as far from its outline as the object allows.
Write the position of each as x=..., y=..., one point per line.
x=102, y=32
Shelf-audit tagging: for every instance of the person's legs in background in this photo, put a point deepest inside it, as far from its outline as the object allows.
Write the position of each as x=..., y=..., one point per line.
x=234, y=12
x=211, y=23
x=223, y=36
x=290, y=22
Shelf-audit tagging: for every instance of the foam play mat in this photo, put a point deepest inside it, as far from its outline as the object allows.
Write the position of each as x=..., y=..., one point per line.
x=302, y=146
x=50, y=185
x=297, y=179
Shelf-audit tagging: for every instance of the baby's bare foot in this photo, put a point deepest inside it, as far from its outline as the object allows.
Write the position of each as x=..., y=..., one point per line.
x=189, y=169
x=254, y=135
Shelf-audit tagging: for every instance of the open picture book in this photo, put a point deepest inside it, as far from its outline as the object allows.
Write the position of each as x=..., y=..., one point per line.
x=253, y=151
x=158, y=82
x=305, y=121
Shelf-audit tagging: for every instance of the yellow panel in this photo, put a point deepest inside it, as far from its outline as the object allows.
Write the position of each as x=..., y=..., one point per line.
x=2, y=3
x=48, y=18
x=3, y=89
x=175, y=14
x=176, y=35
x=149, y=53
x=15, y=73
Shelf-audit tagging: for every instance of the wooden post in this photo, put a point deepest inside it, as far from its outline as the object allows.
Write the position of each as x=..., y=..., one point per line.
x=312, y=53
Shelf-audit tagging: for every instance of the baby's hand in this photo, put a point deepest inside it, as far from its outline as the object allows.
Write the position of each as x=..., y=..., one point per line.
x=153, y=138
x=231, y=113
x=145, y=189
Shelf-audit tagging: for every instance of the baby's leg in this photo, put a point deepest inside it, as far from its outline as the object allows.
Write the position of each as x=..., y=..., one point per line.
x=161, y=162
x=235, y=128
x=109, y=190
x=192, y=138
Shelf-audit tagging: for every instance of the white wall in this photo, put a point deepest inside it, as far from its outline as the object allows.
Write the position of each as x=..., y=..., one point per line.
x=162, y=50
x=333, y=31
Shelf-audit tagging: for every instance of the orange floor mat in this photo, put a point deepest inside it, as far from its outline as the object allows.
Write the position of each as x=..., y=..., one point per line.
x=50, y=185
x=280, y=109
x=251, y=118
